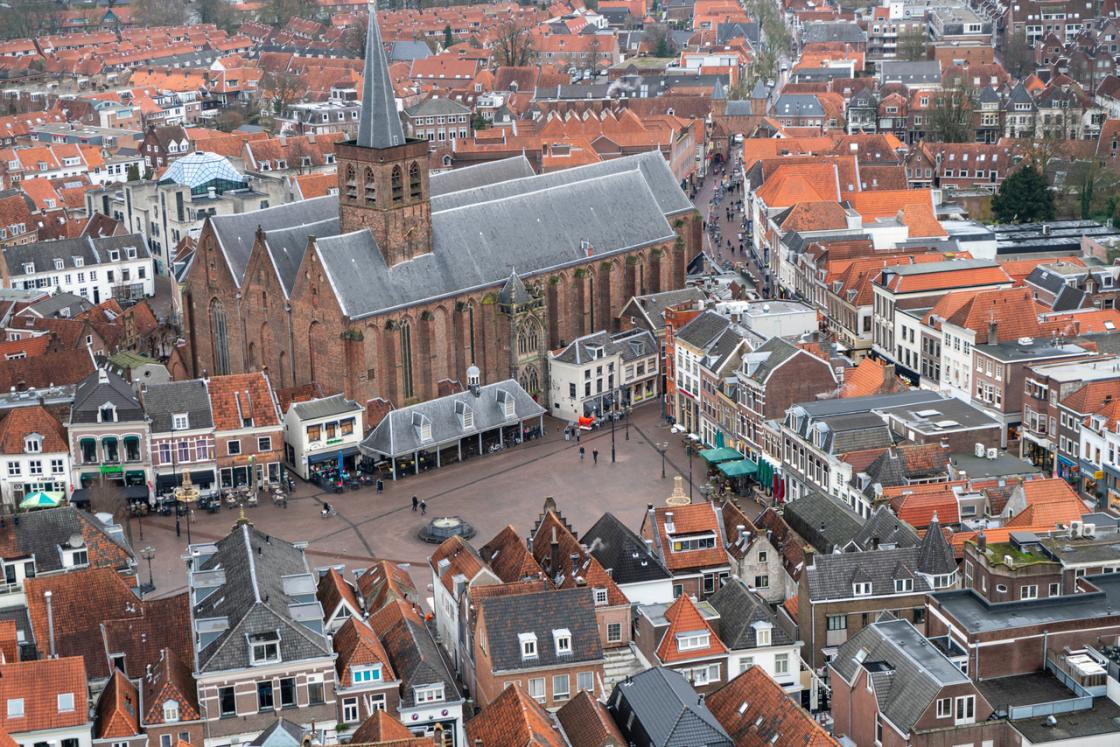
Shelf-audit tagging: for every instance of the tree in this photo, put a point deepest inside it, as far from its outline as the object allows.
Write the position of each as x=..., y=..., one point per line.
x=913, y=44
x=1023, y=197
x=158, y=13
x=229, y=120
x=513, y=45
x=279, y=12
x=448, y=37
x=660, y=39
x=1018, y=57
x=354, y=39
x=109, y=498
x=283, y=88
x=133, y=174
x=949, y=116
x=217, y=12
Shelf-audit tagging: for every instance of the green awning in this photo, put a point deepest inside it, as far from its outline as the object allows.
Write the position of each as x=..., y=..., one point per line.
x=740, y=468
x=720, y=454
x=719, y=440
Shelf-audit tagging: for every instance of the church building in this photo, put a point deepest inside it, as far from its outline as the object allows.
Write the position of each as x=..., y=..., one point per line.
x=402, y=280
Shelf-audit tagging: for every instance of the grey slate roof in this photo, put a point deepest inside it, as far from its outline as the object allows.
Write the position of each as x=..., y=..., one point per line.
x=622, y=552
x=654, y=304
x=885, y=527
x=798, y=105
x=162, y=401
x=39, y=534
x=436, y=106
x=92, y=251
x=651, y=165
x=540, y=613
x=286, y=247
x=101, y=387
x=739, y=609
x=514, y=292
x=480, y=175
x=237, y=232
x=738, y=108
x=749, y=31
x=380, y=125
x=398, y=433
x=764, y=360
x=282, y=733
x=704, y=330
x=61, y=305
x=667, y=712
x=903, y=71
x=407, y=51
x=631, y=344
x=326, y=407
x=935, y=556
x=265, y=586
x=909, y=671
x=833, y=31
x=478, y=244
x=831, y=576
x=822, y=521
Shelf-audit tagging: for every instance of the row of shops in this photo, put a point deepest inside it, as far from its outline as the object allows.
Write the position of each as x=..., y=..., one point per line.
x=739, y=474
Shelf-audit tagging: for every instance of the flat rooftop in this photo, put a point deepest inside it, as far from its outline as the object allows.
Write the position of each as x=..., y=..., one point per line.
x=946, y=415
x=981, y=468
x=1023, y=690
x=1102, y=718
x=1010, y=352
x=978, y=616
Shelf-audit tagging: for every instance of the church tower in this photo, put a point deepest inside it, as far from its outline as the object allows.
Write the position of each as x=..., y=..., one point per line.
x=382, y=176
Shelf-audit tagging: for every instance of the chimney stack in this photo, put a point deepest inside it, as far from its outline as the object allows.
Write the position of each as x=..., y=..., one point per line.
x=50, y=621
x=993, y=337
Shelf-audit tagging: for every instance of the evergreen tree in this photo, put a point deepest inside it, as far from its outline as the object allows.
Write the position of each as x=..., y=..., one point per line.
x=133, y=174
x=1023, y=198
x=448, y=38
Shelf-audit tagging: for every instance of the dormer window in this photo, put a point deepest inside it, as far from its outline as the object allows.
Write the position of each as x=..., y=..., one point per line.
x=693, y=641
x=903, y=584
x=170, y=711
x=365, y=673
x=33, y=444
x=763, y=633
x=861, y=588
x=528, y=645
x=563, y=640
x=600, y=597
x=428, y=693
x=78, y=558
x=28, y=268
x=107, y=413
x=180, y=421
x=57, y=261
x=698, y=542
x=114, y=255
x=264, y=648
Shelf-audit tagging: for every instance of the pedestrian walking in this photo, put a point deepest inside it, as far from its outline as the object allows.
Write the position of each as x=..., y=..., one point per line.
x=595, y=455
x=415, y=503
x=581, y=453
x=380, y=486
x=423, y=508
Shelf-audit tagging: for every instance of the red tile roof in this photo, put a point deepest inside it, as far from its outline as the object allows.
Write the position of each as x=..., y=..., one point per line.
x=235, y=397
x=916, y=504
x=461, y=558
x=685, y=618
x=756, y=712
x=1049, y=503
x=170, y=679
x=357, y=644
x=118, y=709
x=588, y=723
x=696, y=518
x=513, y=719
x=335, y=590
x=21, y=422
x=383, y=729
x=39, y=683
x=384, y=582
x=508, y=557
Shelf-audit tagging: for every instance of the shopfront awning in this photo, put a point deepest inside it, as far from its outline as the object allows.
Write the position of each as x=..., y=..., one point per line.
x=720, y=454
x=200, y=477
x=326, y=455
x=739, y=468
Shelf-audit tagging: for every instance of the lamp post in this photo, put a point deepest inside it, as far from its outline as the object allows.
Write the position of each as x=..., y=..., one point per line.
x=147, y=553
x=662, y=447
x=688, y=449
x=626, y=414
x=614, y=414
x=188, y=494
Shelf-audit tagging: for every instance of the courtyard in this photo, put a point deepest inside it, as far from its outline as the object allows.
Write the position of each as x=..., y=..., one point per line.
x=490, y=492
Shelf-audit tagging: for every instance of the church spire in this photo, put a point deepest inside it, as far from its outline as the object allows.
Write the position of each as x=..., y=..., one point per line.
x=380, y=125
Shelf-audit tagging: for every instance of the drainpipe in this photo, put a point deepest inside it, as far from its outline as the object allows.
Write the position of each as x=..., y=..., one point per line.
x=50, y=621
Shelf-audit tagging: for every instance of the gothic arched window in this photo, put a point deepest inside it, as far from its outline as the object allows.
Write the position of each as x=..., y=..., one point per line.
x=371, y=188
x=351, y=183
x=397, y=184
x=218, y=337
x=406, y=359
x=414, y=181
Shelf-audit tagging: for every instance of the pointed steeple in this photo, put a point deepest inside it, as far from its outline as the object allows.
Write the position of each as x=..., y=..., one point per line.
x=380, y=125
x=719, y=93
x=935, y=556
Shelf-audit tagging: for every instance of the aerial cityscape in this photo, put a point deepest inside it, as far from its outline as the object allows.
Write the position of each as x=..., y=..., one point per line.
x=602, y=373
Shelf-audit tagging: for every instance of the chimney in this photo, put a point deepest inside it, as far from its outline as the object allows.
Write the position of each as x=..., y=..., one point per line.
x=875, y=542
x=574, y=557
x=982, y=541
x=50, y=621
x=993, y=337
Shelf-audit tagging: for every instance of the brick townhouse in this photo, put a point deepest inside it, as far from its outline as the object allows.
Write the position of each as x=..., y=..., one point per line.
x=682, y=637
x=546, y=642
x=893, y=688
x=248, y=430
x=689, y=542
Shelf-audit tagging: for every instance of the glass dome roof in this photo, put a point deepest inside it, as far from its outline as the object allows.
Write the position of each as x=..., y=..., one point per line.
x=201, y=170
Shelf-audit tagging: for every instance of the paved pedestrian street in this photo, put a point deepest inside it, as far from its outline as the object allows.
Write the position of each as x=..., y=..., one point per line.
x=489, y=492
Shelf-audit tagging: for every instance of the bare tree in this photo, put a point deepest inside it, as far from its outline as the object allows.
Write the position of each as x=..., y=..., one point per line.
x=108, y=498
x=1018, y=55
x=660, y=39
x=282, y=88
x=913, y=44
x=158, y=13
x=513, y=45
x=949, y=117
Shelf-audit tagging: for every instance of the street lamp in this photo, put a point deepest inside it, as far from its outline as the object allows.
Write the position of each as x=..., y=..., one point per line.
x=691, y=448
x=662, y=447
x=626, y=414
x=614, y=414
x=147, y=553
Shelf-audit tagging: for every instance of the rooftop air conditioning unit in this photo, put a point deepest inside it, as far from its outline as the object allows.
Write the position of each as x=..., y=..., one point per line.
x=993, y=453
x=979, y=451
